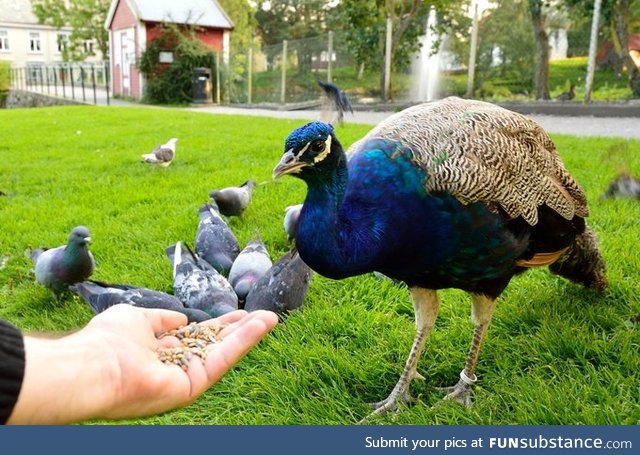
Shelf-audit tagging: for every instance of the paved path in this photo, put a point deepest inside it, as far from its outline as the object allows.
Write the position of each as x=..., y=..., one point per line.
x=626, y=127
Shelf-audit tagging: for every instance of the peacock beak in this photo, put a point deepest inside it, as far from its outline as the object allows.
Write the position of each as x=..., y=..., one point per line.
x=289, y=164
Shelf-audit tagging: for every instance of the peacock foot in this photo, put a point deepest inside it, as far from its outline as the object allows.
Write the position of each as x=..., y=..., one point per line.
x=461, y=392
x=398, y=397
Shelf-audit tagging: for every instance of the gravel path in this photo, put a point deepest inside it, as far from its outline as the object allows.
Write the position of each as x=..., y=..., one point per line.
x=626, y=127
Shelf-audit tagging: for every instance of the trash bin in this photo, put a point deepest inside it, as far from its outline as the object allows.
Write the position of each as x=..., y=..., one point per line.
x=201, y=83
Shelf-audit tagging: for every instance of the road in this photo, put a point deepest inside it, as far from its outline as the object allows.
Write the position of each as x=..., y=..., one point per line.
x=625, y=127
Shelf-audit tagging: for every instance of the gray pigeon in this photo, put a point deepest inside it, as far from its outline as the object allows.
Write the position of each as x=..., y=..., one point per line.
x=252, y=262
x=291, y=215
x=57, y=268
x=198, y=285
x=163, y=154
x=101, y=296
x=233, y=201
x=284, y=286
x=215, y=242
x=623, y=186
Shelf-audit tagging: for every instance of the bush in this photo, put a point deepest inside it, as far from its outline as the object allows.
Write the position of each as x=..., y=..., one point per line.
x=5, y=81
x=171, y=83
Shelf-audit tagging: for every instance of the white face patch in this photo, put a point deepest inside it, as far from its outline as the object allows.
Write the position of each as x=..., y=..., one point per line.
x=302, y=150
x=327, y=150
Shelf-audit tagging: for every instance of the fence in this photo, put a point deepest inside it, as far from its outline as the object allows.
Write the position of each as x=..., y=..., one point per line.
x=503, y=68
x=503, y=57
x=86, y=82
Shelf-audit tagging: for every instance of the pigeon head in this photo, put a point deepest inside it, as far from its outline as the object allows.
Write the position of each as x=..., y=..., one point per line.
x=79, y=236
x=310, y=149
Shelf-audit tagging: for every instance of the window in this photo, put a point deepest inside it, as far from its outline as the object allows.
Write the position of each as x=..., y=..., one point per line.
x=34, y=42
x=4, y=40
x=63, y=41
x=88, y=47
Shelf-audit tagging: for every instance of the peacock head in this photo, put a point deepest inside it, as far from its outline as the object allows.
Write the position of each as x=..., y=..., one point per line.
x=312, y=149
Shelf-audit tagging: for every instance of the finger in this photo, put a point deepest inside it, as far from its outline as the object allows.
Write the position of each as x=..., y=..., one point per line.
x=260, y=314
x=164, y=319
x=222, y=356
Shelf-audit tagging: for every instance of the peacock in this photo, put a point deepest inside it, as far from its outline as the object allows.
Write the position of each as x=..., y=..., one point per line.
x=450, y=194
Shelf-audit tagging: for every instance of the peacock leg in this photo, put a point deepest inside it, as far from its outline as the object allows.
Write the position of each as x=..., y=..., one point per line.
x=425, y=304
x=481, y=312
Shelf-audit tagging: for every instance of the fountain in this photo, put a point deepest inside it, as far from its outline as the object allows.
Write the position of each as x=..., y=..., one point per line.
x=426, y=65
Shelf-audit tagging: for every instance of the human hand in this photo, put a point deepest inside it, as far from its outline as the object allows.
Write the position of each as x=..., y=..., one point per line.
x=110, y=368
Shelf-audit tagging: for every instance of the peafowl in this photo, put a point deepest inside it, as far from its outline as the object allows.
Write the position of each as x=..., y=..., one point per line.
x=452, y=194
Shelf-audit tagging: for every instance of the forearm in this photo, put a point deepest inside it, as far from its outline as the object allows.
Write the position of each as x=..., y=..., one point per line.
x=66, y=380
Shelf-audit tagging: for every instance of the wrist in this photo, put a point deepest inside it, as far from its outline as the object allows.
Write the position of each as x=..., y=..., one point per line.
x=66, y=380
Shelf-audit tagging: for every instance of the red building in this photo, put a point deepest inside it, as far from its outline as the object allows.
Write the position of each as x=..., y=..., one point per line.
x=134, y=23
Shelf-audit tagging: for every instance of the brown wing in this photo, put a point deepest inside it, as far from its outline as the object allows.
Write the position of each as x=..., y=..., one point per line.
x=478, y=151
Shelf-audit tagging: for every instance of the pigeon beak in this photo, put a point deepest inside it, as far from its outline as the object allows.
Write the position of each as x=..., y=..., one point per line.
x=87, y=239
x=289, y=164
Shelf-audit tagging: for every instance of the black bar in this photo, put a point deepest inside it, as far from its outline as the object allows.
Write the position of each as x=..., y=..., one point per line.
x=41, y=79
x=48, y=81
x=55, y=80
x=93, y=79
x=82, y=82
x=73, y=88
x=64, y=92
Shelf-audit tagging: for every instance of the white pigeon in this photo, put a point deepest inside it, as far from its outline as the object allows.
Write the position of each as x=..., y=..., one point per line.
x=291, y=215
x=163, y=154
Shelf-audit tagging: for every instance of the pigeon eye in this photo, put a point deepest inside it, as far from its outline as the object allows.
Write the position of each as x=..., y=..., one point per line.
x=317, y=146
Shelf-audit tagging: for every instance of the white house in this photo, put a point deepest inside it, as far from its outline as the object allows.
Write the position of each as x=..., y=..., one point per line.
x=24, y=42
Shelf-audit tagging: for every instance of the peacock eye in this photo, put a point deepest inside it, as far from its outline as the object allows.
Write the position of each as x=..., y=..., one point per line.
x=317, y=146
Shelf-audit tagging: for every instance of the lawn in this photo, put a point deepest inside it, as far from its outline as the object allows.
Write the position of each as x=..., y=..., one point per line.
x=555, y=354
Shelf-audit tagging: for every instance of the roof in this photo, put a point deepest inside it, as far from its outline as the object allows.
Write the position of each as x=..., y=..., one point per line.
x=205, y=13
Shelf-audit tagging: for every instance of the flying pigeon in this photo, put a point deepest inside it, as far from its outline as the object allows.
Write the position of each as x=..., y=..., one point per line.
x=163, y=154
x=215, y=242
x=291, y=215
x=101, y=296
x=57, y=268
x=336, y=101
x=252, y=262
x=198, y=285
x=284, y=286
x=233, y=201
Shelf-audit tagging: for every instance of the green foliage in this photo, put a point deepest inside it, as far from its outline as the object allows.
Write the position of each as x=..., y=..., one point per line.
x=5, y=75
x=242, y=14
x=85, y=17
x=172, y=83
x=5, y=81
x=555, y=353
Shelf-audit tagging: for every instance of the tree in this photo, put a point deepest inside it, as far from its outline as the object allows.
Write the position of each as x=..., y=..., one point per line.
x=541, y=75
x=620, y=26
x=85, y=17
x=365, y=27
x=242, y=14
x=617, y=15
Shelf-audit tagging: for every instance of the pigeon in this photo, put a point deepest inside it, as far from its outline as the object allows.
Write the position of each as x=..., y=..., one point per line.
x=215, y=242
x=252, y=262
x=57, y=268
x=101, y=296
x=291, y=215
x=163, y=154
x=233, y=201
x=623, y=186
x=198, y=285
x=337, y=101
x=284, y=286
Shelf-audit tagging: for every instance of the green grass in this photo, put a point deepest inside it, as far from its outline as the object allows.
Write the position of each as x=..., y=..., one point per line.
x=555, y=354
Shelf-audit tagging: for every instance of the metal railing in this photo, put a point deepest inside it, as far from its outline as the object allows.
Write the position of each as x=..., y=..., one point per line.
x=82, y=82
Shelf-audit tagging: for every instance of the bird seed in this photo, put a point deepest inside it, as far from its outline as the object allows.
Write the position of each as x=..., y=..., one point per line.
x=195, y=339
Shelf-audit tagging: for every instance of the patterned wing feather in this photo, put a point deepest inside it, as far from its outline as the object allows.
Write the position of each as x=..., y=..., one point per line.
x=481, y=152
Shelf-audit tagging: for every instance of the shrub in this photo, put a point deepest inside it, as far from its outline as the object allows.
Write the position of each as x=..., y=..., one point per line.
x=5, y=81
x=171, y=83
